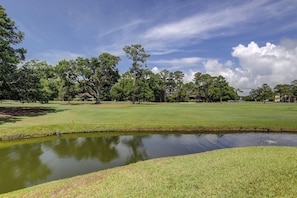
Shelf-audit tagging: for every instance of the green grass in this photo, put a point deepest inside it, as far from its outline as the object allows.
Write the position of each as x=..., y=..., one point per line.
x=195, y=117
x=239, y=172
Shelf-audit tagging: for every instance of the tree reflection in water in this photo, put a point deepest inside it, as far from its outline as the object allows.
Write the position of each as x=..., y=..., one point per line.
x=101, y=148
x=22, y=167
x=138, y=152
x=30, y=163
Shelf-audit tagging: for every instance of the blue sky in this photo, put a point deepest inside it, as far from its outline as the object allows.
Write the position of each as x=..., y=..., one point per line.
x=250, y=42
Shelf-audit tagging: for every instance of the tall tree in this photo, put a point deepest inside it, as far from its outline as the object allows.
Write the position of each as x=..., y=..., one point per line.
x=67, y=75
x=178, y=81
x=10, y=55
x=221, y=84
x=164, y=74
x=294, y=89
x=204, y=84
x=284, y=91
x=28, y=86
x=99, y=74
x=266, y=92
x=155, y=83
x=144, y=90
x=137, y=54
x=261, y=93
x=254, y=94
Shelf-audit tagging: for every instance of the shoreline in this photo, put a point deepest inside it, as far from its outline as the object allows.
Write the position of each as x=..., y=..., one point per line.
x=201, y=130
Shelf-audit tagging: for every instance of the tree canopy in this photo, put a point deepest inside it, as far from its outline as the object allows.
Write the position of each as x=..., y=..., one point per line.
x=10, y=54
x=98, y=75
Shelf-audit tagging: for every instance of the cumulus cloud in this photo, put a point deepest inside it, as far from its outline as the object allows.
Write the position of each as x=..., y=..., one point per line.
x=268, y=64
x=236, y=77
x=271, y=64
x=213, y=67
x=189, y=76
x=289, y=43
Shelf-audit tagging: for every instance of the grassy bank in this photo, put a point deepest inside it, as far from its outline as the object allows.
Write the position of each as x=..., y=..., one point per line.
x=240, y=172
x=200, y=117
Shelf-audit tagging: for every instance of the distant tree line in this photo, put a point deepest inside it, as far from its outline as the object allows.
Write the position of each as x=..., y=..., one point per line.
x=280, y=93
x=98, y=78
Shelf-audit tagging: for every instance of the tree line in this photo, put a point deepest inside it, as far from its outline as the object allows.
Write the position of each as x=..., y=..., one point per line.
x=280, y=93
x=98, y=78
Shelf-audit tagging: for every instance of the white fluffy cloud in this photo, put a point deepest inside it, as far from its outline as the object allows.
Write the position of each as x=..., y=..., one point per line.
x=189, y=76
x=271, y=64
x=268, y=64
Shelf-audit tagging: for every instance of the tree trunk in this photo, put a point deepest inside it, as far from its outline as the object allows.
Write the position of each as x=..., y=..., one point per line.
x=133, y=91
x=97, y=98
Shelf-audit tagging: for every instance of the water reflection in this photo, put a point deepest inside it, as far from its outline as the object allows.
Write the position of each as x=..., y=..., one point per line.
x=137, y=149
x=29, y=164
x=101, y=148
x=21, y=167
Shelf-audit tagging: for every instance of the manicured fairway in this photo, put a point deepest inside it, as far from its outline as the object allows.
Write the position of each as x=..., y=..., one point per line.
x=240, y=172
x=200, y=117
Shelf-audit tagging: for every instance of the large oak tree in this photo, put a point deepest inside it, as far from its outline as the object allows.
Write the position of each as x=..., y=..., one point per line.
x=98, y=74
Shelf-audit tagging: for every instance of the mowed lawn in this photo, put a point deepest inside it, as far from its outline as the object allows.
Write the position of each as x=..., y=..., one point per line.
x=194, y=117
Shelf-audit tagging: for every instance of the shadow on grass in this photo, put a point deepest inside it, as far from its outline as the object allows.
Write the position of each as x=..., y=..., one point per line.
x=12, y=114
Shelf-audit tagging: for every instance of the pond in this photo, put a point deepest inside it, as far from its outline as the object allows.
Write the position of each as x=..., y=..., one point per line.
x=24, y=163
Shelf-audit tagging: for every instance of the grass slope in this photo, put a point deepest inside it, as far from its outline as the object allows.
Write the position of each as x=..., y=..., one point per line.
x=200, y=117
x=239, y=172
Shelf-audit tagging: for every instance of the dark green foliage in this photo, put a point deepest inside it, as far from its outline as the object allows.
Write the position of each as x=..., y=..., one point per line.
x=263, y=93
x=10, y=56
x=66, y=74
x=98, y=75
x=212, y=88
x=122, y=90
x=28, y=85
x=169, y=86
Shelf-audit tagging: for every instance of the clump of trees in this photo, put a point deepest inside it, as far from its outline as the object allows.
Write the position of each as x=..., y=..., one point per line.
x=169, y=86
x=98, y=78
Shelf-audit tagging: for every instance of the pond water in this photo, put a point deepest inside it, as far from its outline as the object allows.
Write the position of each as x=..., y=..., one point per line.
x=25, y=164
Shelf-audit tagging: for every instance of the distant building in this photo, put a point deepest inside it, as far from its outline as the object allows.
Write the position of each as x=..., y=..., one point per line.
x=85, y=97
x=277, y=98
